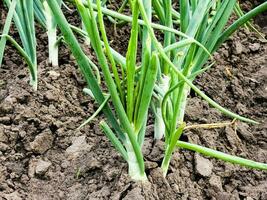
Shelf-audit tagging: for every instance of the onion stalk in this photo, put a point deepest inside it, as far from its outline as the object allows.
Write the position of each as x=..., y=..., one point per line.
x=128, y=141
x=204, y=21
x=24, y=22
x=51, y=27
x=182, y=68
x=6, y=28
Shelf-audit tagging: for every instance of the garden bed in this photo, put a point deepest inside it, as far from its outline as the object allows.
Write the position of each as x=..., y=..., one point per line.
x=44, y=156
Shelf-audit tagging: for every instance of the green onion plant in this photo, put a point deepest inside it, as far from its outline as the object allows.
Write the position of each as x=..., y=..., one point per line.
x=6, y=28
x=129, y=136
x=23, y=17
x=204, y=21
x=23, y=13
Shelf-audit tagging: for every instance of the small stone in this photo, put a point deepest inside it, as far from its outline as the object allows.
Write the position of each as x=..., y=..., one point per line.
x=79, y=144
x=254, y=47
x=42, y=142
x=203, y=166
x=61, y=194
x=42, y=167
x=3, y=147
x=216, y=183
x=50, y=96
x=61, y=132
x=238, y=48
x=53, y=74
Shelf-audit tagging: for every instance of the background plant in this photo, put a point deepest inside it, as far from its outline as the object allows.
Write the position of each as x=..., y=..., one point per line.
x=204, y=21
x=23, y=17
x=24, y=13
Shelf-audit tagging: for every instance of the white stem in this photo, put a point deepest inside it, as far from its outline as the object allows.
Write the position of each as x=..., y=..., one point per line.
x=159, y=126
x=53, y=47
x=164, y=83
x=133, y=166
x=52, y=35
x=34, y=83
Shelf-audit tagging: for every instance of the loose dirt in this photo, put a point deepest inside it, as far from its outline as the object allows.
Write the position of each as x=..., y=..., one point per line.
x=44, y=157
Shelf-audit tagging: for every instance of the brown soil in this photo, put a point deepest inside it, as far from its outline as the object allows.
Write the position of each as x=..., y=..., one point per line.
x=44, y=157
